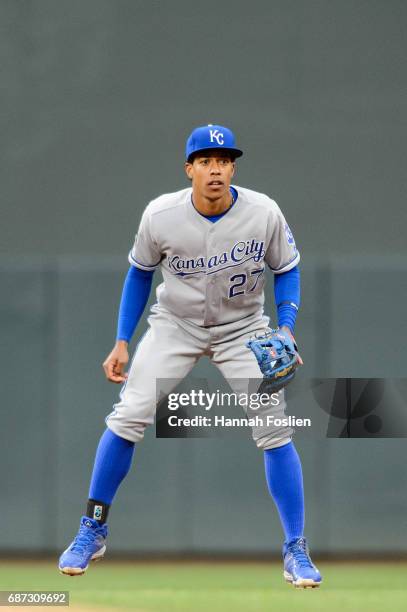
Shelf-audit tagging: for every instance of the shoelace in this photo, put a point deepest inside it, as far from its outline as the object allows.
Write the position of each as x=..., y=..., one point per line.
x=300, y=554
x=84, y=537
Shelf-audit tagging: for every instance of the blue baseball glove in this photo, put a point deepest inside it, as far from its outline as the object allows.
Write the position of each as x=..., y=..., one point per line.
x=277, y=355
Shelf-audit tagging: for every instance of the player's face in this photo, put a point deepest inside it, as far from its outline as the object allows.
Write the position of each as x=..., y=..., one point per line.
x=211, y=174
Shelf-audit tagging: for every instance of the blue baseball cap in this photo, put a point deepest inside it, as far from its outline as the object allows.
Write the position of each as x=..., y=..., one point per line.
x=211, y=137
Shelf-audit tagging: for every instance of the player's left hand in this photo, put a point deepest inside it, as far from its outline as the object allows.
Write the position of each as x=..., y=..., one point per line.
x=286, y=330
x=277, y=355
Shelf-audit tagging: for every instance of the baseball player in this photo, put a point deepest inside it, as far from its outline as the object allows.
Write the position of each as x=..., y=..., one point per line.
x=212, y=242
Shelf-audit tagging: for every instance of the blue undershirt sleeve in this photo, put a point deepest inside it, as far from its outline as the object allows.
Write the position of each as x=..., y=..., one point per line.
x=287, y=296
x=136, y=291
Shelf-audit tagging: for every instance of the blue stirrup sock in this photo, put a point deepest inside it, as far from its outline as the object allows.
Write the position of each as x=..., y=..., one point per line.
x=283, y=473
x=285, y=484
x=112, y=463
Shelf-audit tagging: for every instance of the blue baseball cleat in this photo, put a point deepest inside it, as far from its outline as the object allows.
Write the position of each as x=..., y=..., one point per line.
x=88, y=545
x=298, y=567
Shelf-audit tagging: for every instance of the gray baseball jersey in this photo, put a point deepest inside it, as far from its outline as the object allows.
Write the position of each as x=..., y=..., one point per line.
x=213, y=272
x=210, y=303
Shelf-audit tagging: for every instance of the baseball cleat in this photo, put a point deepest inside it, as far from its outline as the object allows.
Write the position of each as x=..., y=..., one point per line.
x=88, y=545
x=298, y=567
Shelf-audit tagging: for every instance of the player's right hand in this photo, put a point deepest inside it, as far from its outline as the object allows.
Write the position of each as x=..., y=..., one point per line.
x=116, y=361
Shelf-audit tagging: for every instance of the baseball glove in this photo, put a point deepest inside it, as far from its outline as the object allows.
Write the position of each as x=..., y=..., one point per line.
x=277, y=356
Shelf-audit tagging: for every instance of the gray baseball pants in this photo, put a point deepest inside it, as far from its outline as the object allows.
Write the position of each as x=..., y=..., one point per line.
x=169, y=350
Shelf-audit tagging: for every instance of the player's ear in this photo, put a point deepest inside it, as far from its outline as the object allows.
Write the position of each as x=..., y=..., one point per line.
x=188, y=170
x=233, y=167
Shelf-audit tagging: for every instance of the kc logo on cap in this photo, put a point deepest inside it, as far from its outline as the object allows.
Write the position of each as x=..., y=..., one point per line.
x=215, y=134
x=211, y=137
